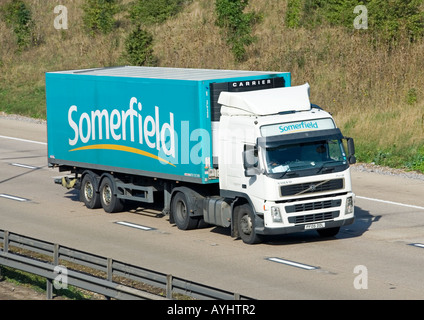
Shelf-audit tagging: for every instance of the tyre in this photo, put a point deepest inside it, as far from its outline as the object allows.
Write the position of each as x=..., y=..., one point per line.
x=110, y=202
x=202, y=224
x=88, y=193
x=246, y=224
x=180, y=209
x=327, y=233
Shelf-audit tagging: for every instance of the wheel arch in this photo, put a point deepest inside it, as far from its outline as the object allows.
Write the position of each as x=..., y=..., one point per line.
x=238, y=199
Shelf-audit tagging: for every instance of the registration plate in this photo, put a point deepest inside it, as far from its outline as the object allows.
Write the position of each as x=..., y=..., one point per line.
x=315, y=226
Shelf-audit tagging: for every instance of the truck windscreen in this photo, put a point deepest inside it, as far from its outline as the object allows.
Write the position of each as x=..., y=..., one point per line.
x=321, y=156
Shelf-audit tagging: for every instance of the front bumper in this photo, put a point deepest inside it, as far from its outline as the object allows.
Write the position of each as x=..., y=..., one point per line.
x=261, y=229
x=307, y=214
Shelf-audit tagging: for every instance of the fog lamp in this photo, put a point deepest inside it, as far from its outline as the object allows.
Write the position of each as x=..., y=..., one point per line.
x=276, y=215
x=349, y=205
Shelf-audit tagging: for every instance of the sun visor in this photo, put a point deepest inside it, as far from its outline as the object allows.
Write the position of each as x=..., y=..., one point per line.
x=265, y=102
x=301, y=137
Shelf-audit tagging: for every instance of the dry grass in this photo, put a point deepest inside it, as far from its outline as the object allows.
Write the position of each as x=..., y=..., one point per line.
x=365, y=86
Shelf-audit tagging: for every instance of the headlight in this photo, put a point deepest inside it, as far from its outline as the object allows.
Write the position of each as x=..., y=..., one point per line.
x=349, y=205
x=276, y=215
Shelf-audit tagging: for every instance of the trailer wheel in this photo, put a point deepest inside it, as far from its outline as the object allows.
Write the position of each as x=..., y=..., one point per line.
x=180, y=210
x=110, y=202
x=246, y=224
x=88, y=193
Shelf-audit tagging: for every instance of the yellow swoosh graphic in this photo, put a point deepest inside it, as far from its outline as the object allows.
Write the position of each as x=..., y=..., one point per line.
x=122, y=148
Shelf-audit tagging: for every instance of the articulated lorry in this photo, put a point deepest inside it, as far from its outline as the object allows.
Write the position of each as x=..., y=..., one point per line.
x=238, y=149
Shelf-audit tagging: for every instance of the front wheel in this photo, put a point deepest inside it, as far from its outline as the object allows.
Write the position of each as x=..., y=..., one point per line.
x=246, y=224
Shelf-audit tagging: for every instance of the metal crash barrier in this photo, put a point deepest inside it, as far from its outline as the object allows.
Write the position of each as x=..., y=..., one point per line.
x=42, y=258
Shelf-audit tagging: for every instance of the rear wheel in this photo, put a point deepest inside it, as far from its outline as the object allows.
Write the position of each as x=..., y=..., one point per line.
x=246, y=224
x=88, y=193
x=180, y=209
x=108, y=198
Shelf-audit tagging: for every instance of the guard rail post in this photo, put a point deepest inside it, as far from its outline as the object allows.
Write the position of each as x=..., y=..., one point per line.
x=5, y=248
x=109, y=272
x=6, y=241
x=49, y=289
x=49, y=282
x=169, y=286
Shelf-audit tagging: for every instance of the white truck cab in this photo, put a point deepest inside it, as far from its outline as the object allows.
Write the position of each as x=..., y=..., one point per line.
x=286, y=159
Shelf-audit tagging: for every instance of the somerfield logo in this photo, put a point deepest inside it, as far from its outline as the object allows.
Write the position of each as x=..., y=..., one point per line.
x=299, y=126
x=126, y=125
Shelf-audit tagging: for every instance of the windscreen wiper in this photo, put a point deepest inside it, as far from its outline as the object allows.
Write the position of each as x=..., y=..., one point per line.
x=327, y=170
x=290, y=174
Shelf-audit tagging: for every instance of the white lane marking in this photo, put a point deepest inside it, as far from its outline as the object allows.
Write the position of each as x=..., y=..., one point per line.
x=24, y=140
x=293, y=263
x=391, y=202
x=8, y=196
x=419, y=245
x=133, y=225
x=26, y=166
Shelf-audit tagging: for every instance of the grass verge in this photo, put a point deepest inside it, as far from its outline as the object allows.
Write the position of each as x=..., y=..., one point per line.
x=38, y=284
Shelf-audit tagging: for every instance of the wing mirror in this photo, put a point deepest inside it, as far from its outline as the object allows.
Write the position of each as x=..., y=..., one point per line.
x=351, y=150
x=251, y=161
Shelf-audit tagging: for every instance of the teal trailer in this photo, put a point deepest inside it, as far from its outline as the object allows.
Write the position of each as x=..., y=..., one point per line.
x=154, y=122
